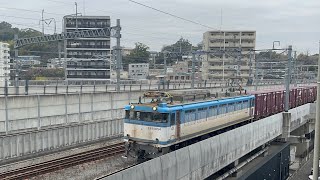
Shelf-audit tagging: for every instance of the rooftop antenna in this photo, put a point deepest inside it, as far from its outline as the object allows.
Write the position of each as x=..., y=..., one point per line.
x=221, y=19
x=84, y=7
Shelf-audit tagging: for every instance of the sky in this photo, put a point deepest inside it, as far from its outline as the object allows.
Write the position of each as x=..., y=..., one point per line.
x=292, y=22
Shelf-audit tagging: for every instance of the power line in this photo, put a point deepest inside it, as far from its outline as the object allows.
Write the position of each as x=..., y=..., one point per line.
x=61, y=2
x=3, y=15
x=34, y=11
x=30, y=25
x=188, y=20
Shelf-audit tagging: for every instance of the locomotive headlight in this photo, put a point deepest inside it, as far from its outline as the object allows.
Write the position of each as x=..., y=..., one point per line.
x=132, y=106
x=154, y=108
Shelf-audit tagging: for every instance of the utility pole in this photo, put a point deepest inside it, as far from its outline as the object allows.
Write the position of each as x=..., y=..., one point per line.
x=286, y=105
x=76, y=15
x=256, y=75
x=223, y=56
x=317, y=127
x=250, y=68
x=65, y=51
x=294, y=69
x=16, y=83
x=165, y=62
x=193, y=69
x=42, y=20
x=118, y=49
x=59, y=51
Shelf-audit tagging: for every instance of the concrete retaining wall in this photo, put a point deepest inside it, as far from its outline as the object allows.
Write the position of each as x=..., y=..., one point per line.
x=38, y=111
x=28, y=143
x=202, y=159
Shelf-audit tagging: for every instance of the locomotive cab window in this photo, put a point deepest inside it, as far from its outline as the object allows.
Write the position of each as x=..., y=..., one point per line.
x=131, y=115
x=147, y=116
x=154, y=117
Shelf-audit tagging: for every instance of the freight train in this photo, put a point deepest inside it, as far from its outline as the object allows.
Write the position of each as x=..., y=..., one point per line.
x=169, y=121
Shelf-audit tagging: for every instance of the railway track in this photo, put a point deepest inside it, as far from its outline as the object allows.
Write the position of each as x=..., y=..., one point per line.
x=64, y=162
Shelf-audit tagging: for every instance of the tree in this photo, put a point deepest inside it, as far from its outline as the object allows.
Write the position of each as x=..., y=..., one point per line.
x=139, y=54
x=182, y=45
x=34, y=73
x=45, y=50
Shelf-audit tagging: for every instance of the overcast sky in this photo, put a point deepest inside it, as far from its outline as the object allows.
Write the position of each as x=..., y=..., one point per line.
x=293, y=22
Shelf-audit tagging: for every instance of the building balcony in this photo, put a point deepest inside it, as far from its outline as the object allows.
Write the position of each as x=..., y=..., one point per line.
x=73, y=26
x=244, y=75
x=214, y=59
x=216, y=44
x=247, y=37
x=232, y=44
x=82, y=56
x=89, y=76
x=228, y=37
x=226, y=75
x=89, y=66
x=216, y=68
x=245, y=67
x=90, y=46
x=247, y=45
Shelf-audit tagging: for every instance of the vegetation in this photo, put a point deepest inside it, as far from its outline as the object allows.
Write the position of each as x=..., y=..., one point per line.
x=42, y=73
x=182, y=45
x=139, y=54
x=45, y=50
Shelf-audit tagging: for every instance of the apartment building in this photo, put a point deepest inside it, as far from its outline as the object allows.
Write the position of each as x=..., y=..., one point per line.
x=4, y=60
x=88, y=58
x=139, y=71
x=230, y=55
x=28, y=61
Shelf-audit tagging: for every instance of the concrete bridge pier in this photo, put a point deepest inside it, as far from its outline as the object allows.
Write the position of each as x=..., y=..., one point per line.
x=298, y=135
x=301, y=144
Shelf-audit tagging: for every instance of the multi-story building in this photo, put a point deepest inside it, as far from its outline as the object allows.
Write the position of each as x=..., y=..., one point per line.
x=139, y=71
x=181, y=72
x=4, y=62
x=28, y=61
x=90, y=57
x=126, y=51
x=56, y=63
x=229, y=56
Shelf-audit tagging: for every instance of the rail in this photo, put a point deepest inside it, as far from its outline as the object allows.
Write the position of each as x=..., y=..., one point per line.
x=64, y=162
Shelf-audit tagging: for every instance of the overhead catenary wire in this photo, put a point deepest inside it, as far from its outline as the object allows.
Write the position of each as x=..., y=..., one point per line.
x=28, y=10
x=71, y=4
x=31, y=25
x=173, y=15
x=19, y=17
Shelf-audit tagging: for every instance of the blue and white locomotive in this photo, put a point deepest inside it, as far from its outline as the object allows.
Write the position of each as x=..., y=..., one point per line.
x=157, y=127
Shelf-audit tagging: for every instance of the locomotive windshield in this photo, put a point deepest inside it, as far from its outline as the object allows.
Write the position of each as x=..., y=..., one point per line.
x=147, y=116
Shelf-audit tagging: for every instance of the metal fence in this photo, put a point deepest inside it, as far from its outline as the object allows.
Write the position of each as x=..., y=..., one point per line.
x=61, y=87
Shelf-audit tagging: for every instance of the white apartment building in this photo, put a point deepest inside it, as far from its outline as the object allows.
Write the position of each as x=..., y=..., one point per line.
x=139, y=71
x=230, y=57
x=4, y=62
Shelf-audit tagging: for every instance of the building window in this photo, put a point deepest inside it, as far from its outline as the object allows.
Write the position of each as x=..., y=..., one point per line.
x=176, y=78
